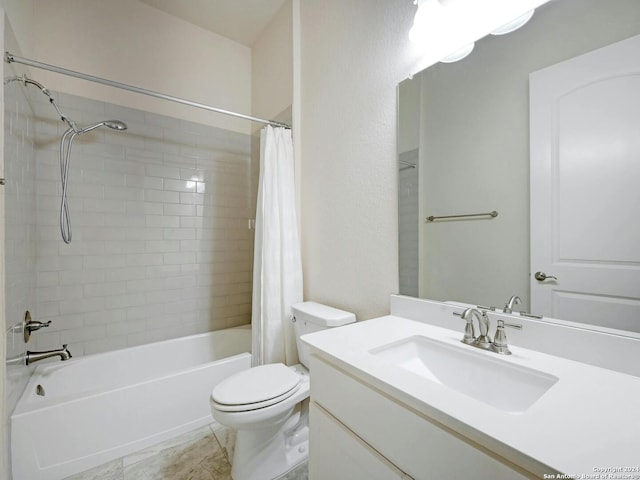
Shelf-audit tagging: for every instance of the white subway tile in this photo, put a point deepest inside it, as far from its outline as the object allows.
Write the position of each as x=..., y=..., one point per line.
x=103, y=317
x=103, y=205
x=163, y=246
x=105, y=289
x=47, y=279
x=144, y=259
x=104, y=261
x=165, y=271
x=127, y=273
x=80, y=277
x=161, y=196
x=128, y=300
x=162, y=220
x=179, y=258
x=162, y=171
x=81, y=305
x=103, y=178
x=192, y=174
x=144, y=233
x=124, y=193
x=129, y=246
x=192, y=199
x=179, y=209
x=191, y=222
x=146, y=285
x=180, y=185
x=138, y=181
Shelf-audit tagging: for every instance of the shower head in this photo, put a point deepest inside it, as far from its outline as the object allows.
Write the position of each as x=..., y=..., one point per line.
x=114, y=124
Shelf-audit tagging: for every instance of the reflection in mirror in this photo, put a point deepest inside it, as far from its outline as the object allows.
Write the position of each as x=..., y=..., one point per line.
x=466, y=127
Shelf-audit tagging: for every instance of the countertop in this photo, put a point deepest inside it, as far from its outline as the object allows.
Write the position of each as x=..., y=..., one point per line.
x=587, y=422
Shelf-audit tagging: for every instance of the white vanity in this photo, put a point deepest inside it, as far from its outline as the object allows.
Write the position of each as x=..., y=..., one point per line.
x=395, y=397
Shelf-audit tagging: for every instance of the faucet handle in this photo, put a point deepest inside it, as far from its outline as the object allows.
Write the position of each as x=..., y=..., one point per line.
x=469, y=332
x=499, y=344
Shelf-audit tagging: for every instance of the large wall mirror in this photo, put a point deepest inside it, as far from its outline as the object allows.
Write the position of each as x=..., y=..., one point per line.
x=464, y=148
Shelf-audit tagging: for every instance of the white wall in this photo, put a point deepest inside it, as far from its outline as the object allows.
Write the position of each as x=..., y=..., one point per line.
x=272, y=66
x=131, y=42
x=352, y=56
x=19, y=17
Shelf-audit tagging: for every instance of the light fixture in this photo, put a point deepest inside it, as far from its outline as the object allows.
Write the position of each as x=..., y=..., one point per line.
x=514, y=24
x=428, y=10
x=458, y=54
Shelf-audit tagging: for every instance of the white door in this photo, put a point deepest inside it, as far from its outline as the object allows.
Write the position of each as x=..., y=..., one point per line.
x=585, y=187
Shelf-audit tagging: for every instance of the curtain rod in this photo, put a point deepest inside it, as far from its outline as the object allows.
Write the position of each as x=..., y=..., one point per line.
x=10, y=58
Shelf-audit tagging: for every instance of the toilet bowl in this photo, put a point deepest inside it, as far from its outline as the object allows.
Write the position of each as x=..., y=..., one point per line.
x=268, y=405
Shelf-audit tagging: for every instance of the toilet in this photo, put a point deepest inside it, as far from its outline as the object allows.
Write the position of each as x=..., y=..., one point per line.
x=268, y=405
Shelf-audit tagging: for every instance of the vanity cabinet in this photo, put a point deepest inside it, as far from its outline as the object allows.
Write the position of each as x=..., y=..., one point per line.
x=358, y=431
x=338, y=453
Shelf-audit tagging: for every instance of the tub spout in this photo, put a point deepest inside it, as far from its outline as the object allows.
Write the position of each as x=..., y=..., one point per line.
x=63, y=353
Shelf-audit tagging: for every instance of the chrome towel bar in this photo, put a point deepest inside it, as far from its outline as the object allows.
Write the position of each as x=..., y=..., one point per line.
x=489, y=214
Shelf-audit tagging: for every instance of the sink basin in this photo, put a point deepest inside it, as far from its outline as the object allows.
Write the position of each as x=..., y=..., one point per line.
x=479, y=375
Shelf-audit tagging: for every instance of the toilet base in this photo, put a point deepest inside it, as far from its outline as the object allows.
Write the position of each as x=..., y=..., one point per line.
x=268, y=453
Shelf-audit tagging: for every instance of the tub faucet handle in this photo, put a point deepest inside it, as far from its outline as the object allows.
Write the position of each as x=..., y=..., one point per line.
x=32, y=325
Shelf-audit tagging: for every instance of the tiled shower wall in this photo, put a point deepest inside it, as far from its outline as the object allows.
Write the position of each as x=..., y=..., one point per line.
x=20, y=229
x=160, y=215
x=408, y=234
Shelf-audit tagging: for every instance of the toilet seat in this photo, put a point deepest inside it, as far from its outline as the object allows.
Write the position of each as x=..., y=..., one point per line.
x=255, y=388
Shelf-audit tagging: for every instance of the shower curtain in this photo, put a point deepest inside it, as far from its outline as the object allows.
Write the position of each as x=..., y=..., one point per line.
x=277, y=265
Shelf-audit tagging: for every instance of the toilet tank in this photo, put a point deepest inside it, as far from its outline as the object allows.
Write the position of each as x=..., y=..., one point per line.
x=309, y=317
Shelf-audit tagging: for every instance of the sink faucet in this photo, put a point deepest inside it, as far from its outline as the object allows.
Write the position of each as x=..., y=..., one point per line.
x=499, y=345
x=514, y=300
x=63, y=353
x=483, y=340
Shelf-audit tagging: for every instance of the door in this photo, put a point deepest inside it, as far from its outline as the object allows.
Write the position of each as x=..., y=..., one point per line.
x=585, y=188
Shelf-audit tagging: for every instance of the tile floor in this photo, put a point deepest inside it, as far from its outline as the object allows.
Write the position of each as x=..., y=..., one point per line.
x=203, y=454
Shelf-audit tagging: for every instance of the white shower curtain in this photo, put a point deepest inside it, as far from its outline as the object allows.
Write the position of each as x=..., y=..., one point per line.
x=277, y=266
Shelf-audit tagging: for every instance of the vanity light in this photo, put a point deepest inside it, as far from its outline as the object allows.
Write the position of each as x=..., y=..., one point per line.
x=458, y=54
x=434, y=19
x=428, y=10
x=514, y=24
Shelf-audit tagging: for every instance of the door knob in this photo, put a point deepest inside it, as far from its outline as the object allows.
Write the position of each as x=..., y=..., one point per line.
x=541, y=277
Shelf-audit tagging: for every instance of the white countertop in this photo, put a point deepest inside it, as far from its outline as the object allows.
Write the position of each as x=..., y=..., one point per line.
x=589, y=419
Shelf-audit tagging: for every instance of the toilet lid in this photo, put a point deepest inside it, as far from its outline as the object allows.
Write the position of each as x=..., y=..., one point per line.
x=256, y=387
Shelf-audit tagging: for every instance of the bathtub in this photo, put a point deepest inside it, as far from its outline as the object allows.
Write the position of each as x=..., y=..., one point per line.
x=101, y=407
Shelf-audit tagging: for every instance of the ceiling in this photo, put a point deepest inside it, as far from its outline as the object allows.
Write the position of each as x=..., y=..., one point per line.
x=240, y=20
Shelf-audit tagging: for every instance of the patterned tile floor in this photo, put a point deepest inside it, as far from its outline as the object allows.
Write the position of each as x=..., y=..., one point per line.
x=203, y=454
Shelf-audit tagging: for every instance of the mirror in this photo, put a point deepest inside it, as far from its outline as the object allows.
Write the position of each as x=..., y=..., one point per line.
x=463, y=148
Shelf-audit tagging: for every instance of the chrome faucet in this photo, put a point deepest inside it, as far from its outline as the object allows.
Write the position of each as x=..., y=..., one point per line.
x=499, y=345
x=483, y=340
x=514, y=300
x=63, y=353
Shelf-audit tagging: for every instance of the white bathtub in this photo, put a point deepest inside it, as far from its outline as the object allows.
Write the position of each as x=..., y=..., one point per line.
x=101, y=407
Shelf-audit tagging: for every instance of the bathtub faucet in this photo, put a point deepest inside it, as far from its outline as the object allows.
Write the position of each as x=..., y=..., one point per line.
x=63, y=353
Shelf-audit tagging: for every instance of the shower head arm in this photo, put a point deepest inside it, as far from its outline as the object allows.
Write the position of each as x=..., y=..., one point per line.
x=29, y=81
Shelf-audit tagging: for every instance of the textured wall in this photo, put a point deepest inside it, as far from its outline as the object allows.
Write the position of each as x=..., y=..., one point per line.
x=353, y=55
x=161, y=246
